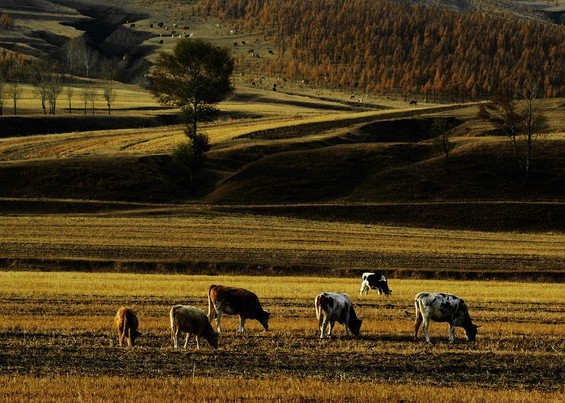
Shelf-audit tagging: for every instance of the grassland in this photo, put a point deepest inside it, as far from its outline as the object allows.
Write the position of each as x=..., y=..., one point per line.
x=56, y=338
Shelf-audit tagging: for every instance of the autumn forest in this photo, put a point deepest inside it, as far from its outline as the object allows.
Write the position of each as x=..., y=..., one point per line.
x=402, y=48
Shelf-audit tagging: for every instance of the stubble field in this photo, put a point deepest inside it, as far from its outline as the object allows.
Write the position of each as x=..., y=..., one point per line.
x=57, y=342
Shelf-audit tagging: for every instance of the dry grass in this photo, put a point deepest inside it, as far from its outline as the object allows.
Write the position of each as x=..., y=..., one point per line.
x=195, y=234
x=56, y=335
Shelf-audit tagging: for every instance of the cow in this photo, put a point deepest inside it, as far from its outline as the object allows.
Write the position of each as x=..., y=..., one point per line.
x=441, y=307
x=192, y=321
x=235, y=301
x=332, y=307
x=413, y=102
x=126, y=323
x=374, y=281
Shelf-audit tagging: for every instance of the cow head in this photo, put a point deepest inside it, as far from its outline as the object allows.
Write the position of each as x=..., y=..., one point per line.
x=383, y=286
x=212, y=339
x=133, y=335
x=264, y=320
x=355, y=325
x=471, y=332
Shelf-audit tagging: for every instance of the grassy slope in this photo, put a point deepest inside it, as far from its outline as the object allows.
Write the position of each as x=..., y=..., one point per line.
x=285, y=154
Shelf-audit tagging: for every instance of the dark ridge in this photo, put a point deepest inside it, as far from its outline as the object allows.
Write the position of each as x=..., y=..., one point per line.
x=13, y=126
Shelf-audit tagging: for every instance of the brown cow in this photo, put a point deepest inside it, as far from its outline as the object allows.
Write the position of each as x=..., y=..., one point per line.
x=235, y=301
x=191, y=321
x=126, y=323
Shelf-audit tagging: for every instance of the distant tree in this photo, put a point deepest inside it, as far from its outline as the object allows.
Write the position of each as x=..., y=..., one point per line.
x=69, y=91
x=81, y=57
x=54, y=89
x=108, y=93
x=440, y=131
x=39, y=80
x=5, y=65
x=6, y=22
x=534, y=124
x=15, y=92
x=521, y=122
x=88, y=96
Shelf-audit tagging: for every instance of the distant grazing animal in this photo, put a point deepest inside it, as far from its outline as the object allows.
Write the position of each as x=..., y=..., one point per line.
x=332, y=307
x=413, y=102
x=374, y=281
x=192, y=321
x=126, y=323
x=161, y=42
x=235, y=301
x=132, y=25
x=441, y=307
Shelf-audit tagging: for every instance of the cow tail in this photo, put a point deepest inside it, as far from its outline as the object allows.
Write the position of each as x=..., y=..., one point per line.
x=318, y=305
x=211, y=308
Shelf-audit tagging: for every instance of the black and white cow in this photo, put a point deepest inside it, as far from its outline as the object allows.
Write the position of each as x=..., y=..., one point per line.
x=374, y=281
x=441, y=307
x=332, y=307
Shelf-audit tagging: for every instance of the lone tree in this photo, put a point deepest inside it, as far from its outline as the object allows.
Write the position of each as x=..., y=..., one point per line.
x=521, y=122
x=194, y=77
x=440, y=130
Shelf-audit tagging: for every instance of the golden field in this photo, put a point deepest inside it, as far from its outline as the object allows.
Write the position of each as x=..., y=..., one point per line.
x=58, y=343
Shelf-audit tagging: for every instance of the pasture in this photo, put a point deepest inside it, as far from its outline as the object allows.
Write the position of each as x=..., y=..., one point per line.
x=57, y=342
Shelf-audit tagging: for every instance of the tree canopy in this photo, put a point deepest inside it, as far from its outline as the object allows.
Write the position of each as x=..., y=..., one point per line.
x=195, y=77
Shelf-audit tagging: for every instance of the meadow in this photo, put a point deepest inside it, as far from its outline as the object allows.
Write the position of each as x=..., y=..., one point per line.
x=58, y=343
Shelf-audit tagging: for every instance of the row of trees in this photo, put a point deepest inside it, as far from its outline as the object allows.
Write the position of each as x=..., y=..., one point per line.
x=49, y=84
x=389, y=47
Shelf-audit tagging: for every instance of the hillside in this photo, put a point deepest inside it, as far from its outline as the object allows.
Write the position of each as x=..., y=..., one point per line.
x=373, y=167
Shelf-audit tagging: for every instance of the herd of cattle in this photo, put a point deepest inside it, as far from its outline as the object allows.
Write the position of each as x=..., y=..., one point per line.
x=330, y=307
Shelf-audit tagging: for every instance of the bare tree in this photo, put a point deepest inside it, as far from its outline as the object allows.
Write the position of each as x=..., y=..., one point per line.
x=80, y=55
x=88, y=96
x=534, y=124
x=69, y=91
x=440, y=130
x=15, y=92
x=40, y=80
x=109, y=93
x=522, y=122
x=4, y=72
x=54, y=89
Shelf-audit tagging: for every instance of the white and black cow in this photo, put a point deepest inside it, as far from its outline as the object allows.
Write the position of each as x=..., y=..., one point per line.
x=441, y=307
x=374, y=281
x=332, y=307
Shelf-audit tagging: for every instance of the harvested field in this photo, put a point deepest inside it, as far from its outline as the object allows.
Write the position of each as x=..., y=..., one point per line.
x=201, y=239
x=57, y=326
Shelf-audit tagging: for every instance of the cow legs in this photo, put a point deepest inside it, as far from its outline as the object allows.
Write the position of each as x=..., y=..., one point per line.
x=241, y=324
x=323, y=324
x=175, y=336
x=331, y=328
x=364, y=288
x=197, y=342
x=426, y=326
x=186, y=340
x=451, y=333
x=218, y=318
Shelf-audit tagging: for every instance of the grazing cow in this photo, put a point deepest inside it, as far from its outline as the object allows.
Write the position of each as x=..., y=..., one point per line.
x=192, y=321
x=332, y=307
x=441, y=307
x=413, y=102
x=235, y=301
x=374, y=281
x=126, y=323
